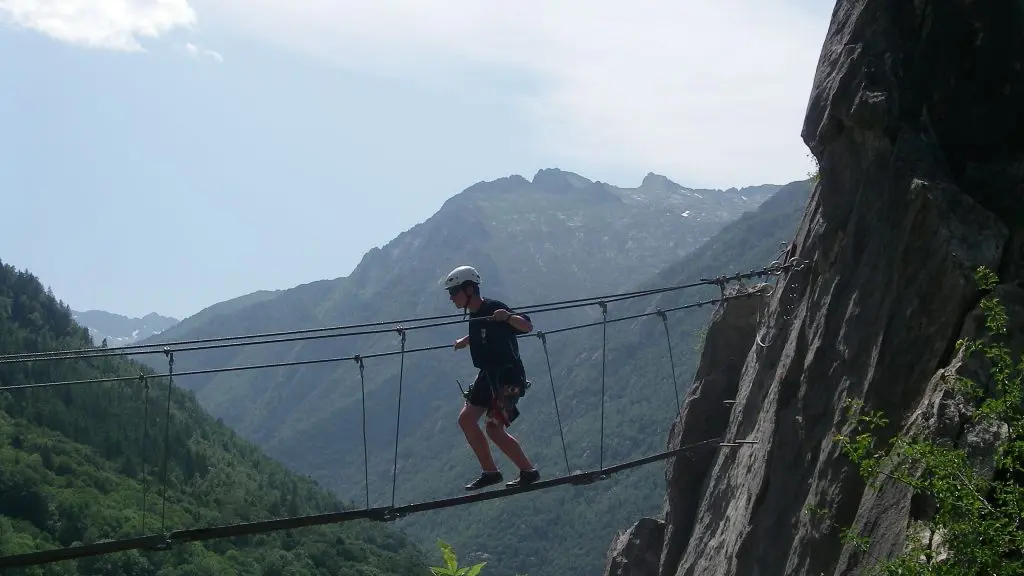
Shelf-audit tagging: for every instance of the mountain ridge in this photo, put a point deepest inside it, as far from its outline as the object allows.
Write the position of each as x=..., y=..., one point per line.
x=118, y=330
x=309, y=416
x=639, y=409
x=533, y=233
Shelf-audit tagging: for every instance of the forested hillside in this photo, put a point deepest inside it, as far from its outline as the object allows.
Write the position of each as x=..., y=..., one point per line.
x=309, y=416
x=78, y=462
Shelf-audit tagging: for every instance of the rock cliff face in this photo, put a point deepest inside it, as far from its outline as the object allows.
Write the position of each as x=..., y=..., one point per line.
x=638, y=552
x=917, y=120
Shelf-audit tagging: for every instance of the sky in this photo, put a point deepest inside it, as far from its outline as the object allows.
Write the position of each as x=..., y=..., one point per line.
x=166, y=155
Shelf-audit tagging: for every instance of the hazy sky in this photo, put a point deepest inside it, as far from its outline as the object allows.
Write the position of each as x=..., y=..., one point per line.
x=164, y=155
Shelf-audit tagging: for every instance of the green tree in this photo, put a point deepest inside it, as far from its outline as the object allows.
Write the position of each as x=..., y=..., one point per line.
x=978, y=522
x=451, y=564
x=84, y=463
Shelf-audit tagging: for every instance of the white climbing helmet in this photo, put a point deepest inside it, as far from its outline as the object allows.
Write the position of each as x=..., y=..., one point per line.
x=459, y=275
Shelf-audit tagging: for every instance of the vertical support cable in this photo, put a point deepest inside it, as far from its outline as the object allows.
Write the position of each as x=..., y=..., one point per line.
x=366, y=462
x=398, y=416
x=671, y=359
x=604, y=347
x=145, y=442
x=551, y=378
x=167, y=435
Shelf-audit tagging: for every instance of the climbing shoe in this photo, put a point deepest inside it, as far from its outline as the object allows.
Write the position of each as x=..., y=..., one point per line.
x=486, y=479
x=526, y=477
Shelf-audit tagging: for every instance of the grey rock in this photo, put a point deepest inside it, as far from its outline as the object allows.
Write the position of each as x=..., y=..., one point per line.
x=942, y=415
x=916, y=117
x=636, y=552
x=705, y=415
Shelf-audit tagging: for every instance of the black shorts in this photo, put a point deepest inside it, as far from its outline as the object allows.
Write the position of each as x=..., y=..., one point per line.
x=509, y=384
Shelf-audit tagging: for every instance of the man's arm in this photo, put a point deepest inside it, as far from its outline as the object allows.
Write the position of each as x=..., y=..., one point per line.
x=520, y=322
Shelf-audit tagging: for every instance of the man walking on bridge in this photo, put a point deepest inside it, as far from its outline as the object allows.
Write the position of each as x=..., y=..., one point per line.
x=501, y=379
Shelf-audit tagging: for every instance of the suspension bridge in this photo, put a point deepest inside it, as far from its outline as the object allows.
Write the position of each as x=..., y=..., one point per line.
x=165, y=540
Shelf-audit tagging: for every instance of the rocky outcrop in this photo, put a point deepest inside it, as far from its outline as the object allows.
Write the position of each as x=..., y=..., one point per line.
x=941, y=415
x=705, y=415
x=916, y=117
x=637, y=552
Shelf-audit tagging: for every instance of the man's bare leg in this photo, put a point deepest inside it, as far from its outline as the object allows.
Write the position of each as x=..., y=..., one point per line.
x=508, y=444
x=468, y=421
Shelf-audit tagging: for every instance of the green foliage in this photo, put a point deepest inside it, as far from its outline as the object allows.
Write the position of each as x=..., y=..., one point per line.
x=977, y=525
x=814, y=175
x=451, y=564
x=84, y=463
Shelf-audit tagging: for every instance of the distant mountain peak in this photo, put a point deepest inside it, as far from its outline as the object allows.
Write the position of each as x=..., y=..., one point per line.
x=118, y=329
x=504, y=184
x=652, y=180
x=557, y=180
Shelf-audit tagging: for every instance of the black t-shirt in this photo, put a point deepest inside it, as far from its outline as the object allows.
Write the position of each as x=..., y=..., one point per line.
x=492, y=344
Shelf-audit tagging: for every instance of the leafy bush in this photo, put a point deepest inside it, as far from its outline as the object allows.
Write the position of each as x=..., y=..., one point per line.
x=451, y=564
x=977, y=525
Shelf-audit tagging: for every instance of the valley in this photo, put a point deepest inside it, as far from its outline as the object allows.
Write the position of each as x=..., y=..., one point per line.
x=560, y=237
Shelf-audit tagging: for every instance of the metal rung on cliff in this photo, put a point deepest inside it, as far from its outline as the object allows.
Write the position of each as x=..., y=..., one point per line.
x=165, y=540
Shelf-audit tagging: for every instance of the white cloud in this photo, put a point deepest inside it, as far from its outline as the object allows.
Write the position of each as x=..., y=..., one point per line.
x=710, y=91
x=197, y=52
x=115, y=24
